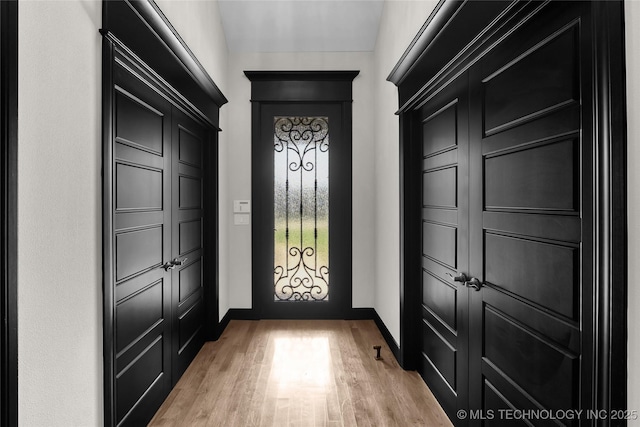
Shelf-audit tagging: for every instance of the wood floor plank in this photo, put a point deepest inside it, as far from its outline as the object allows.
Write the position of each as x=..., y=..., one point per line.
x=299, y=373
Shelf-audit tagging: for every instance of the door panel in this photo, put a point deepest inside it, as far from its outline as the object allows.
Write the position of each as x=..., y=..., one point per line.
x=132, y=322
x=140, y=383
x=528, y=358
x=142, y=216
x=526, y=245
x=138, y=187
x=440, y=186
x=189, y=139
x=190, y=280
x=444, y=348
x=526, y=86
x=138, y=250
x=547, y=274
x=441, y=299
x=539, y=176
x=190, y=235
x=145, y=132
x=440, y=243
x=190, y=192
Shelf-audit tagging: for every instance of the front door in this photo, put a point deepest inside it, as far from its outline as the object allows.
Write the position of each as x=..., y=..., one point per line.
x=303, y=264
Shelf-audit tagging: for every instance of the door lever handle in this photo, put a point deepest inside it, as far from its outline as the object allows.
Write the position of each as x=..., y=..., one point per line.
x=169, y=265
x=176, y=262
x=473, y=283
x=460, y=277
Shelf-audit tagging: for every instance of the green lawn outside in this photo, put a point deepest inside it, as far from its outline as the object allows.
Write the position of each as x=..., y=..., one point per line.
x=280, y=248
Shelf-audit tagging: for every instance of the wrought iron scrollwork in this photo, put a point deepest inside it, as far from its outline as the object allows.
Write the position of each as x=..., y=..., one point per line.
x=302, y=275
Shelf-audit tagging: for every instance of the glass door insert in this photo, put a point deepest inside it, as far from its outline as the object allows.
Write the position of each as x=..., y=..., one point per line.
x=301, y=208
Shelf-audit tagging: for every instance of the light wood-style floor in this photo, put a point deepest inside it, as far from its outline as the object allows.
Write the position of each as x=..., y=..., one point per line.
x=299, y=373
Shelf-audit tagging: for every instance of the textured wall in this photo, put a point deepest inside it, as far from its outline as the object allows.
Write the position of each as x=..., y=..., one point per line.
x=401, y=21
x=59, y=214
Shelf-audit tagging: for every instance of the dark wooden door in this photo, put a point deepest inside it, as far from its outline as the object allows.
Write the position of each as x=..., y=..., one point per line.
x=142, y=244
x=530, y=169
x=443, y=326
x=307, y=274
x=506, y=176
x=188, y=141
x=158, y=212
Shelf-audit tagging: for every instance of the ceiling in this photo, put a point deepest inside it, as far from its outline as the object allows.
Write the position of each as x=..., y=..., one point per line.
x=301, y=25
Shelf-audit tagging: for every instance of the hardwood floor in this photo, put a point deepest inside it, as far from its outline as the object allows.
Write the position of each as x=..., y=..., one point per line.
x=299, y=373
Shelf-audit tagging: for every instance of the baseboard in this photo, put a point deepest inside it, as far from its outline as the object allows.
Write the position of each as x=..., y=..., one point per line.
x=360, y=314
x=222, y=325
x=364, y=313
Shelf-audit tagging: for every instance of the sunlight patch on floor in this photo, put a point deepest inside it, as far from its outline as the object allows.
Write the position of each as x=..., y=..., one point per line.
x=301, y=362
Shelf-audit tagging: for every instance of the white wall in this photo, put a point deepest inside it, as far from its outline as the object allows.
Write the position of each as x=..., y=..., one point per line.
x=401, y=21
x=59, y=214
x=632, y=15
x=60, y=198
x=239, y=163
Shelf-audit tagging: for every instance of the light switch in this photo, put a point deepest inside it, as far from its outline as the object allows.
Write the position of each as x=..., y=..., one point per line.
x=241, y=206
x=241, y=219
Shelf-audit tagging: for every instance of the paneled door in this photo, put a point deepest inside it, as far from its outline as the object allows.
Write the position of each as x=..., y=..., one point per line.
x=530, y=257
x=158, y=172
x=187, y=291
x=141, y=248
x=160, y=117
x=443, y=327
x=506, y=264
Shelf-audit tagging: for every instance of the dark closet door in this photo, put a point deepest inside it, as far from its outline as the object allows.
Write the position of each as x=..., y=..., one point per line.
x=158, y=250
x=443, y=353
x=529, y=181
x=142, y=244
x=189, y=139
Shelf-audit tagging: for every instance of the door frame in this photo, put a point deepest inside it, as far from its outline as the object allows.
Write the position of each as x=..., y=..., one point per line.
x=274, y=89
x=9, y=213
x=137, y=34
x=420, y=76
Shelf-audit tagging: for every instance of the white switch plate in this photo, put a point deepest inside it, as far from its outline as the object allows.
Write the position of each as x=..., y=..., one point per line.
x=241, y=219
x=241, y=206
